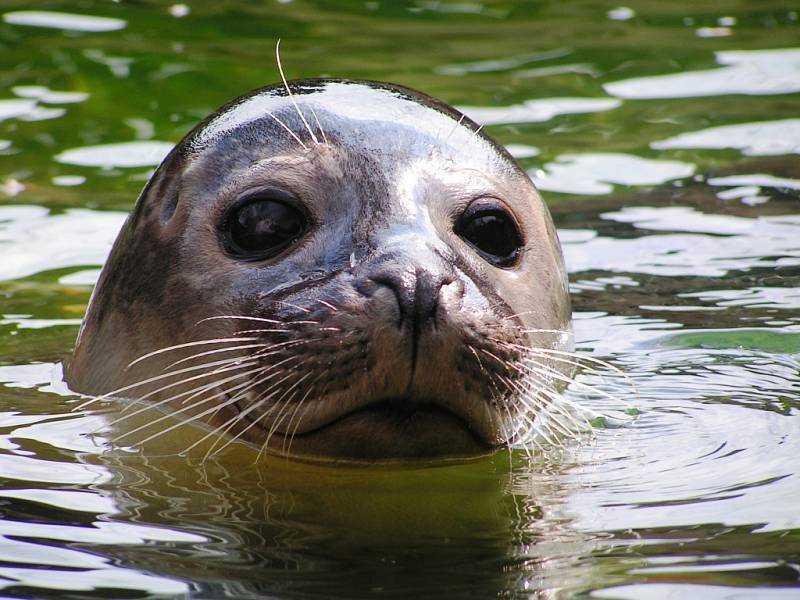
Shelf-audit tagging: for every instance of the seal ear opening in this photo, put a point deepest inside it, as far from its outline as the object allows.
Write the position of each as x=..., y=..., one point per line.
x=167, y=184
x=169, y=202
x=164, y=185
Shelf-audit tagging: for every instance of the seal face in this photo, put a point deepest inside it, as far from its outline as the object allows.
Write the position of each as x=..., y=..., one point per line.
x=351, y=271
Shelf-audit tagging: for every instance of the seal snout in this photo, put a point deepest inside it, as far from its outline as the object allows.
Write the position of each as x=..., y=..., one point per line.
x=417, y=296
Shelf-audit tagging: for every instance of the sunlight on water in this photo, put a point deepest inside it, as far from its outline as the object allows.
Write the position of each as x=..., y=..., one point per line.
x=593, y=174
x=754, y=73
x=32, y=240
x=61, y=20
x=534, y=111
x=767, y=138
x=125, y=154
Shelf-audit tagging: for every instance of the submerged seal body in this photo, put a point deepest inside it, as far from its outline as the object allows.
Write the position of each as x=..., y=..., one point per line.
x=351, y=270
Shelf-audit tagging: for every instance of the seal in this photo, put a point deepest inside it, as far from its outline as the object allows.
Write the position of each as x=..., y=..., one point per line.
x=335, y=269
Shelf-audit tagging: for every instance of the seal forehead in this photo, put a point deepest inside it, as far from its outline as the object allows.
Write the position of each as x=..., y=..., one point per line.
x=376, y=117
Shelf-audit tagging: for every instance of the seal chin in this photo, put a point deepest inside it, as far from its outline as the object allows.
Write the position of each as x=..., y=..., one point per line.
x=390, y=430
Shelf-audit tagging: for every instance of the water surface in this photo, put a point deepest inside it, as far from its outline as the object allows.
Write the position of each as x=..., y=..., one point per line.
x=665, y=138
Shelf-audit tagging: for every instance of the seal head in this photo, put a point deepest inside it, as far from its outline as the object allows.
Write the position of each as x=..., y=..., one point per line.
x=350, y=271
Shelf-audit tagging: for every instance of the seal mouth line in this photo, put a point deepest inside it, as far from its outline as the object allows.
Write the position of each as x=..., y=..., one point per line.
x=398, y=411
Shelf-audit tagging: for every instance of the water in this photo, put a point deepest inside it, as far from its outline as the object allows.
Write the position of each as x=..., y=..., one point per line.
x=665, y=137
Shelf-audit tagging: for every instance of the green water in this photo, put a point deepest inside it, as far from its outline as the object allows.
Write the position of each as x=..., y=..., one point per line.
x=682, y=241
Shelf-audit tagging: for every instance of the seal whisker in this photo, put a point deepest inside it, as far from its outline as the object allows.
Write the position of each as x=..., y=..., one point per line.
x=262, y=397
x=550, y=424
x=509, y=434
x=550, y=373
x=556, y=412
x=294, y=412
x=543, y=374
x=526, y=396
x=188, y=345
x=574, y=359
x=302, y=308
x=286, y=127
x=267, y=349
x=329, y=305
x=580, y=357
x=478, y=358
x=194, y=392
x=550, y=427
x=211, y=410
x=191, y=392
x=534, y=330
x=289, y=91
x=276, y=422
x=530, y=427
x=182, y=423
x=225, y=366
x=243, y=317
x=223, y=429
x=280, y=347
x=215, y=351
x=319, y=125
x=260, y=371
x=222, y=366
x=299, y=420
x=252, y=331
x=543, y=431
x=305, y=410
x=557, y=404
x=566, y=361
x=456, y=126
x=153, y=379
x=533, y=400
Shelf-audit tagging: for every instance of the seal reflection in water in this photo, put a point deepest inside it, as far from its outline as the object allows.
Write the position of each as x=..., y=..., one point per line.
x=351, y=270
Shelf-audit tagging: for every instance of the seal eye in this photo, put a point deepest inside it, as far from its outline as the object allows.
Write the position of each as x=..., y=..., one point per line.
x=492, y=232
x=261, y=227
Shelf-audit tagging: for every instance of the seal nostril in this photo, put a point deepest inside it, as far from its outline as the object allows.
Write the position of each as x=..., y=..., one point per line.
x=397, y=286
x=426, y=296
x=417, y=294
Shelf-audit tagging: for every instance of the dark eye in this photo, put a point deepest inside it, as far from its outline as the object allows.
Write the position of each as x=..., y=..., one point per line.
x=492, y=232
x=262, y=226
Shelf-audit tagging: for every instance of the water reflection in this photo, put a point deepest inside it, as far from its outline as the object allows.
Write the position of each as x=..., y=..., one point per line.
x=48, y=96
x=501, y=64
x=753, y=72
x=62, y=20
x=123, y=154
x=533, y=111
x=766, y=138
x=594, y=174
x=738, y=243
x=10, y=109
x=33, y=240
